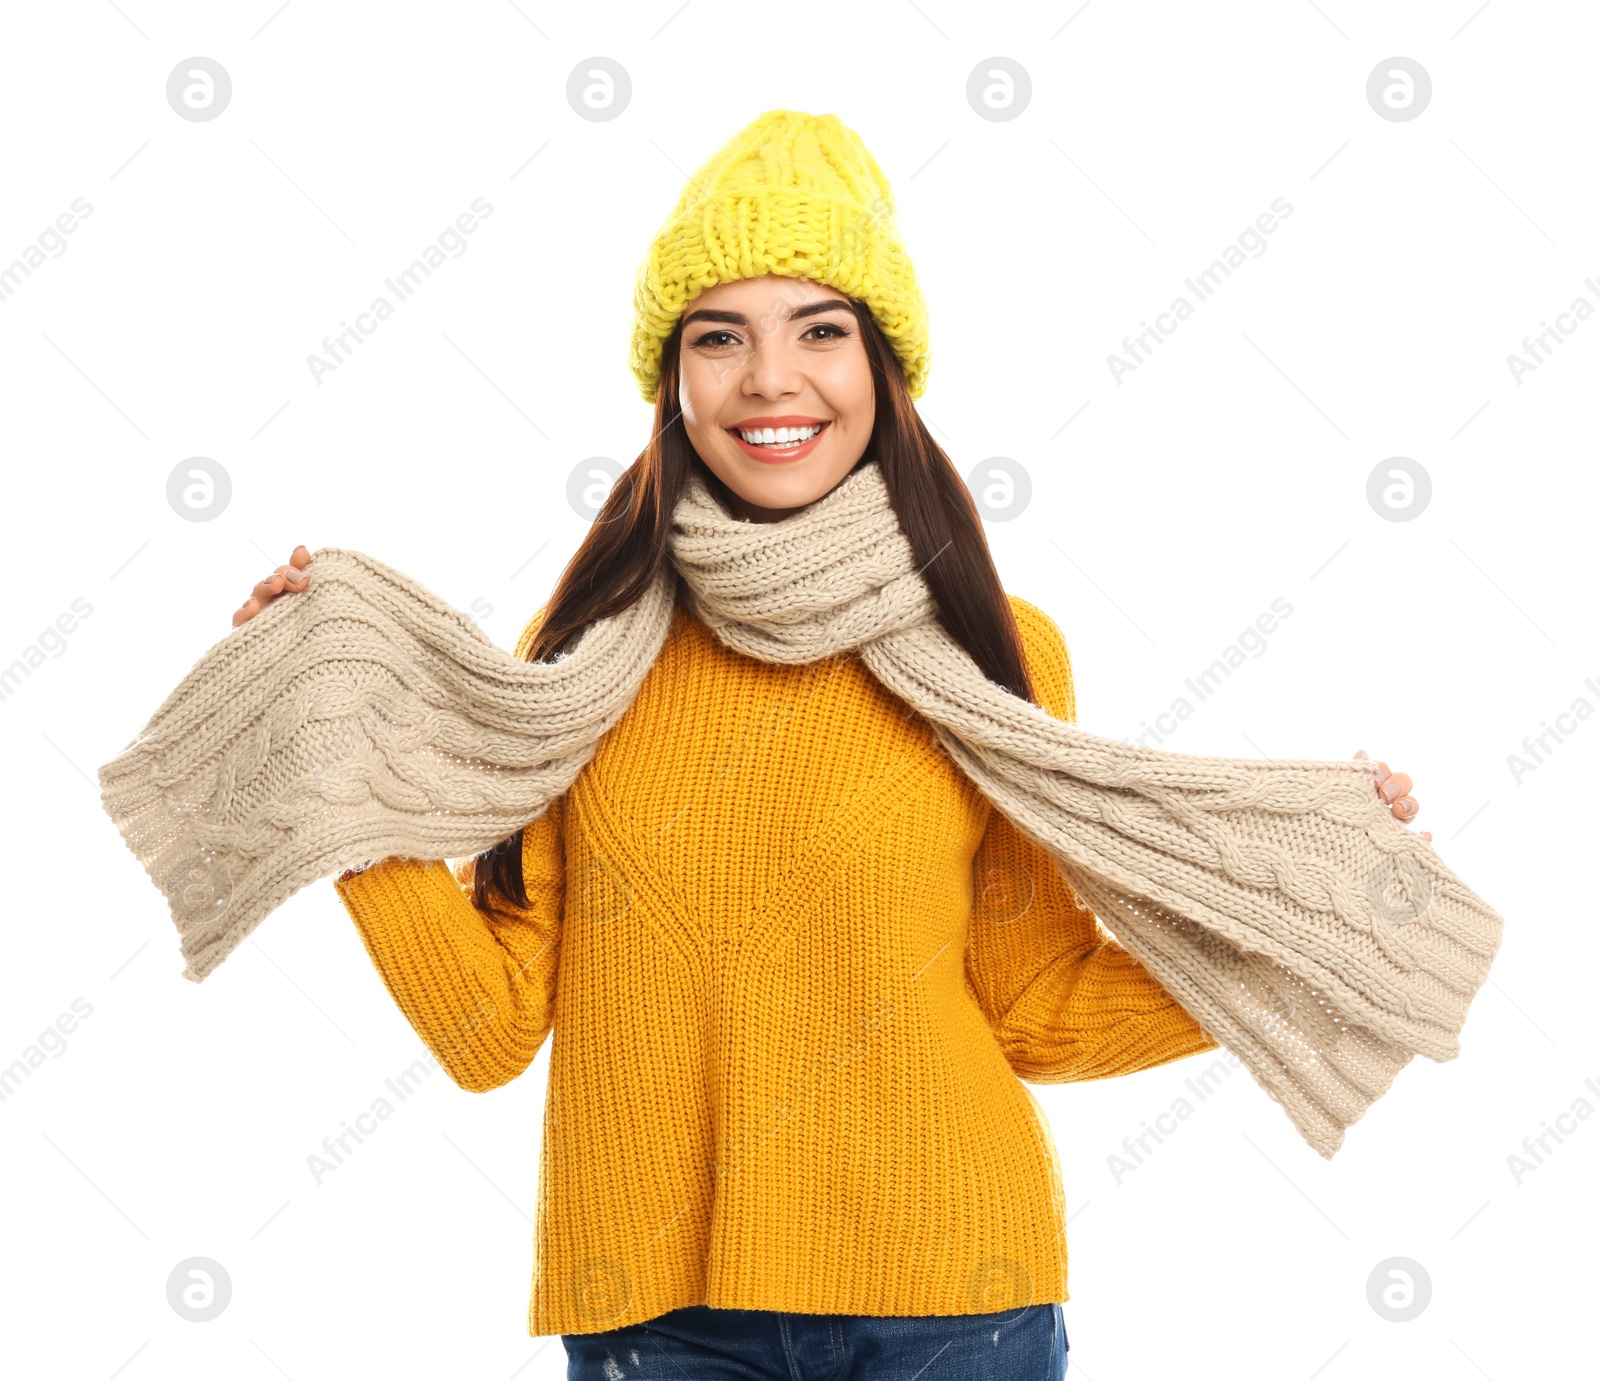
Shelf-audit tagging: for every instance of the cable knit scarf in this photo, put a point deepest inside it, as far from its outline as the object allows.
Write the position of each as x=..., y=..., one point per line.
x=1279, y=902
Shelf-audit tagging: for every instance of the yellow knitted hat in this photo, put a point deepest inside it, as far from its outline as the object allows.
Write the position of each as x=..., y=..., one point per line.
x=793, y=194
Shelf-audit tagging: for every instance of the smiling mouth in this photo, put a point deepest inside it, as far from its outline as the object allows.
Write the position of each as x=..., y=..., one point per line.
x=778, y=438
x=773, y=444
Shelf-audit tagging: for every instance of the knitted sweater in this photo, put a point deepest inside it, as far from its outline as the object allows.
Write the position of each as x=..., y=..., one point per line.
x=795, y=965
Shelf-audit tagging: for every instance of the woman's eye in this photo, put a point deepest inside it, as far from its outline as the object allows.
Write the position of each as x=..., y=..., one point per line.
x=717, y=340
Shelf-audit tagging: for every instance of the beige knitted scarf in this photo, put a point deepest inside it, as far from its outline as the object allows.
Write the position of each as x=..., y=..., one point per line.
x=1302, y=926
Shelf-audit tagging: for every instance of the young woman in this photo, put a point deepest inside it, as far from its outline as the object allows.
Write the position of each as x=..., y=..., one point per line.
x=882, y=1197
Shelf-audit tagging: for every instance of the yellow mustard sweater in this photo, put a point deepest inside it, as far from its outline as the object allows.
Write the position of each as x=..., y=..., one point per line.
x=795, y=966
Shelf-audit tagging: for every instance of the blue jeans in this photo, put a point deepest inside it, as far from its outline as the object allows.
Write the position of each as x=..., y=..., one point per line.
x=698, y=1343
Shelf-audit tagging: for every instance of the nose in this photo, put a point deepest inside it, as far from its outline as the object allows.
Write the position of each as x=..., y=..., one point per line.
x=771, y=369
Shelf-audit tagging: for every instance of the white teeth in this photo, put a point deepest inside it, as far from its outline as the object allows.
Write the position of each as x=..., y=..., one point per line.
x=778, y=436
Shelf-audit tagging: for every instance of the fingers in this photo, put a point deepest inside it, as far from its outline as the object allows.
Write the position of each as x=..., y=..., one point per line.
x=289, y=577
x=1394, y=789
x=295, y=576
x=1394, y=786
x=294, y=573
x=292, y=577
x=1391, y=785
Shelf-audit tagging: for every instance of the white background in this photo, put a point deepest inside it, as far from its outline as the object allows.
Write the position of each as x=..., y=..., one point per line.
x=1167, y=513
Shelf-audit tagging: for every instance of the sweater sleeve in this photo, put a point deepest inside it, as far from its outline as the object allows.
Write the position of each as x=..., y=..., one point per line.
x=478, y=988
x=1065, y=1000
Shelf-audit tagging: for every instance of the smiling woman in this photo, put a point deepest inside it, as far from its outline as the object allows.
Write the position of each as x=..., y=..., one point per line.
x=776, y=389
x=780, y=348
x=829, y=989
x=782, y=718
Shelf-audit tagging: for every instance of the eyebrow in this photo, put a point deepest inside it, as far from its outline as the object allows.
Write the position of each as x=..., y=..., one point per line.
x=739, y=319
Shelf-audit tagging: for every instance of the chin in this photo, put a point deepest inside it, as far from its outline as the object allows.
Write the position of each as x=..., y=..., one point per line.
x=785, y=486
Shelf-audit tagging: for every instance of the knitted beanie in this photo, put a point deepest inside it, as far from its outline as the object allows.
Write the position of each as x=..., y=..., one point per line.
x=792, y=194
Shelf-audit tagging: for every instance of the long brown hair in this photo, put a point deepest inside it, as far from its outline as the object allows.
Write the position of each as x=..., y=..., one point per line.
x=622, y=551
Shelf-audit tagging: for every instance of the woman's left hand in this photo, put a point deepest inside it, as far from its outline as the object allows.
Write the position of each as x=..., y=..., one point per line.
x=1394, y=788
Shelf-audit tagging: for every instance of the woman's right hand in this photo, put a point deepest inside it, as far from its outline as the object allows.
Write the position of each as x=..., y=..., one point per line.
x=291, y=578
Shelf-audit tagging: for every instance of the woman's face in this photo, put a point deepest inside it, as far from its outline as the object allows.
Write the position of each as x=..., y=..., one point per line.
x=775, y=353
